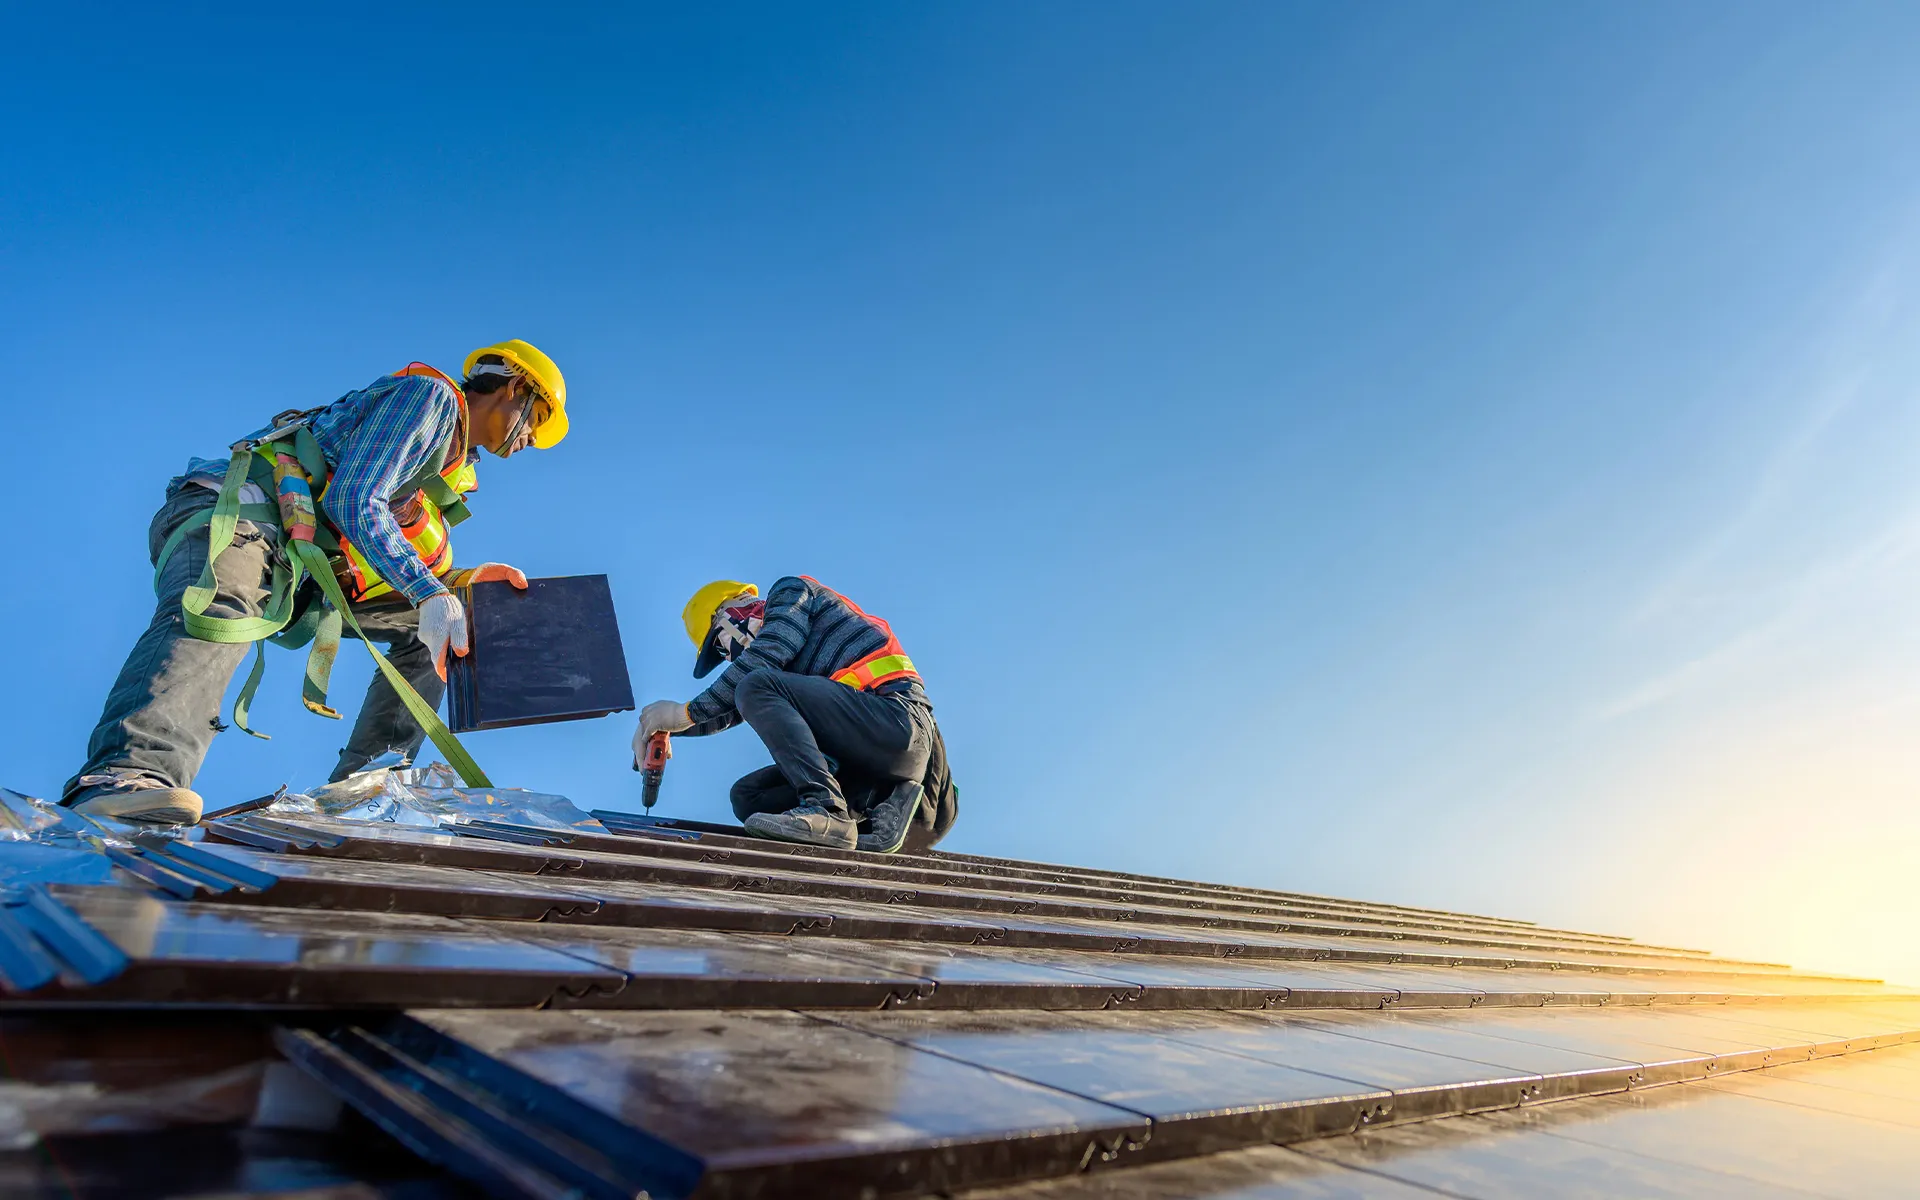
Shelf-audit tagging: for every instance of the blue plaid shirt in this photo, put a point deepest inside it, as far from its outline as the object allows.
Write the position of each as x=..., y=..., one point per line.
x=377, y=440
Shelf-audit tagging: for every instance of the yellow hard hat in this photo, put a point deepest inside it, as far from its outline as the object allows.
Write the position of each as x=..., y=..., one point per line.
x=699, y=618
x=707, y=601
x=546, y=379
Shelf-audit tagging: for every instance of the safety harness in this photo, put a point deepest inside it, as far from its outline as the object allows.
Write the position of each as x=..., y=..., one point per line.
x=287, y=461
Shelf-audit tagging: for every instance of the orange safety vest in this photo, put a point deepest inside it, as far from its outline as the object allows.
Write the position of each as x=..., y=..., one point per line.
x=422, y=521
x=888, y=663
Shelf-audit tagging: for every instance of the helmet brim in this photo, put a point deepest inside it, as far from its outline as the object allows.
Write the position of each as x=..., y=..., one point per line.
x=711, y=655
x=549, y=432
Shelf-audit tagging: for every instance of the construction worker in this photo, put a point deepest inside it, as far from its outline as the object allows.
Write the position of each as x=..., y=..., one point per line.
x=358, y=495
x=837, y=702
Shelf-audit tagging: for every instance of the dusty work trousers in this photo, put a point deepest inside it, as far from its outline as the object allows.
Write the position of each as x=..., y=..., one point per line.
x=164, y=708
x=805, y=719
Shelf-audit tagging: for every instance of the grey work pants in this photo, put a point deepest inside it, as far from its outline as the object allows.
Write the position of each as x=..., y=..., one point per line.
x=806, y=719
x=164, y=708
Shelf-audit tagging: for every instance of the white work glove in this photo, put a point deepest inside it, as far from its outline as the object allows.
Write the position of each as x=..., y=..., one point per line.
x=670, y=715
x=443, y=626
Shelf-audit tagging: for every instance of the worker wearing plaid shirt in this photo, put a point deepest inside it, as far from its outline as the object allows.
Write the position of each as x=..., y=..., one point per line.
x=163, y=710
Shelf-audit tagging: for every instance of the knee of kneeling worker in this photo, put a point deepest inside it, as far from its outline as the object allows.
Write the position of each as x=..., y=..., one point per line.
x=761, y=687
x=749, y=796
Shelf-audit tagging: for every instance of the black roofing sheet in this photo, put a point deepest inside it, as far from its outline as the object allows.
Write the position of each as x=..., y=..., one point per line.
x=683, y=1011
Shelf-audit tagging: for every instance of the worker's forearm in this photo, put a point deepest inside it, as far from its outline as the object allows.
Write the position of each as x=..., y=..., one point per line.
x=706, y=707
x=374, y=532
x=719, y=724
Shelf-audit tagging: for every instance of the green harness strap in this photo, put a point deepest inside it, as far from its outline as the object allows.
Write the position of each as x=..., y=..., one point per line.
x=298, y=558
x=453, y=509
x=240, y=629
x=319, y=674
x=449, y=745
x=221, y=522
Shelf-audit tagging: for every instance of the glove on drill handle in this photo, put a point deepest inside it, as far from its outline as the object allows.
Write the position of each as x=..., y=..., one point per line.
x=659, y=751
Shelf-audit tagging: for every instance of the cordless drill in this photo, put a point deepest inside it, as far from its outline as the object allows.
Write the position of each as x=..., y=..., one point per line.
x=654, y=766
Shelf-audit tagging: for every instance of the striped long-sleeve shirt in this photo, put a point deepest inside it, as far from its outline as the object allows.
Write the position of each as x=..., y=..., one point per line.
x=378, y=440
x=808, y=630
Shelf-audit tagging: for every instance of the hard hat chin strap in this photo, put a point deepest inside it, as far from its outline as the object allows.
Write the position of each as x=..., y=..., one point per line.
x=520, y=421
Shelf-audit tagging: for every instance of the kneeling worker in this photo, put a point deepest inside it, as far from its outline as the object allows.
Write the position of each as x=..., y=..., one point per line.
x=358, y=496
x=838, y=704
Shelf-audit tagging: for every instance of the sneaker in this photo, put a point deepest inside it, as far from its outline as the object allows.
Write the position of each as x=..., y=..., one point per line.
x=152, y=806
x=889, y=820
x=809, y=823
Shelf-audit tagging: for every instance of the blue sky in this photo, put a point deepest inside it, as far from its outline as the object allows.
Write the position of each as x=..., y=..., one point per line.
x=1448, y=455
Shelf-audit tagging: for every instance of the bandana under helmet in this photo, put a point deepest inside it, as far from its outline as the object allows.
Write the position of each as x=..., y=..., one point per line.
x=735, y=624
x=738, y=624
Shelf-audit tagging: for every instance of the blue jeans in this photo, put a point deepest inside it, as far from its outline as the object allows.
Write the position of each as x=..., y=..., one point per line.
x=164, y=709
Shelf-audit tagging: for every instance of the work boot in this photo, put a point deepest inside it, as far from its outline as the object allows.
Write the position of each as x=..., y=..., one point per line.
x=811, y=824
x=888, y=821
x=151, y=806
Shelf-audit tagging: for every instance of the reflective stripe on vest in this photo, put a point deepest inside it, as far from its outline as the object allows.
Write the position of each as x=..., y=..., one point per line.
x=426, y=533
x=425, y=529
x=884, y=665
x=875, y=669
